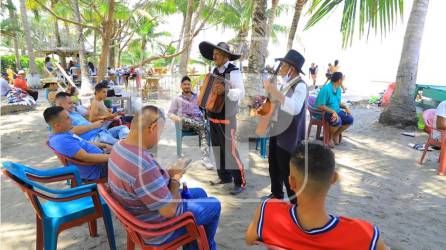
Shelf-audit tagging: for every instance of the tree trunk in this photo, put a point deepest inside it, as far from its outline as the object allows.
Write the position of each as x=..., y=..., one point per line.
x=297, y=12
x=111, y=57
x=15, y=26
x=187, y=36
x=180, y=38
x=107, y=32
x=67, y=31
x=94, y=41
x=27, y=32
x=401, y=110
x=86, y=87
x=271, y=20
x=63, y=61
x=256, y=65
x=143, y=47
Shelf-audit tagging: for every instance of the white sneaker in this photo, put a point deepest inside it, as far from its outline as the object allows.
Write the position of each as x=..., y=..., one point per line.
x=207, y=163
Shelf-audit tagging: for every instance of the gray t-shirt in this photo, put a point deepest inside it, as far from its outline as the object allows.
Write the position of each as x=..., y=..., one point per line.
x=5, y=87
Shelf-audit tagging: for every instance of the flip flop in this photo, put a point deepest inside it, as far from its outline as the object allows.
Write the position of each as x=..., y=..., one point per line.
x=411, y=134
x=418, y=146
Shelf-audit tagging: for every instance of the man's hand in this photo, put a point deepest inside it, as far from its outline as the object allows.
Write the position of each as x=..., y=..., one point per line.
x=348, y=111
x=268, y=86
x=218, y=89
x=175, y=173
x=175, y=118
x=98, y=124
x=334, y=116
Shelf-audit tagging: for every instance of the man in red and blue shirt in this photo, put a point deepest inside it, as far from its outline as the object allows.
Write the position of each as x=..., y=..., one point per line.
x=149, y=192
x=308, y=225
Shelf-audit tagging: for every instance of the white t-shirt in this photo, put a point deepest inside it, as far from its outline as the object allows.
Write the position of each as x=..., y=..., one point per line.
x=441, y=111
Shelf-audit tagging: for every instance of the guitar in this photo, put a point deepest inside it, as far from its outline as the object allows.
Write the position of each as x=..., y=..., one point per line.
x=266, y=110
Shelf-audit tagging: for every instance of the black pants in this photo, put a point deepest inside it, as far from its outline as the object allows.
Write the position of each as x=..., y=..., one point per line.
x=279, y=170
x=229, y=165
x=33, y=94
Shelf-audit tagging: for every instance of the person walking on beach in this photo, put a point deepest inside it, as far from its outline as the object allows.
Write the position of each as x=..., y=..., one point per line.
x=313, y=73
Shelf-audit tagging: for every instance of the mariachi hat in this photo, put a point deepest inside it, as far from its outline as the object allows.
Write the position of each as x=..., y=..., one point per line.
x=47, y=81
x=207, y=50
x=295, y=59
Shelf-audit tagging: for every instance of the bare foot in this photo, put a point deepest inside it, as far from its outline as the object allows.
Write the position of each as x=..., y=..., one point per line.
x=336, y=139
x=331, y=144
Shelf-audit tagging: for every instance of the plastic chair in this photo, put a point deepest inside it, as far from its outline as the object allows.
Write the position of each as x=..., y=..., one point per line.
x=180, y=134
x=428, y=117
x=64, y=208
x=263, y=143
x=67, y=161
x=137, y=229
x=268, y=246
x=314, y=121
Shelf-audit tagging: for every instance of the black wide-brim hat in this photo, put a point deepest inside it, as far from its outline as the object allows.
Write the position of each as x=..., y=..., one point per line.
x=295, y=59
x=207, y=50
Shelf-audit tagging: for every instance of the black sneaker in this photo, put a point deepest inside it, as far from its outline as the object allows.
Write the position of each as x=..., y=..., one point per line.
x=270, y=196
x=219, y=182
x=237, y=190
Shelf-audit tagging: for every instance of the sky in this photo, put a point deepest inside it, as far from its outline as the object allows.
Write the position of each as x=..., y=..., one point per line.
x=374, y=59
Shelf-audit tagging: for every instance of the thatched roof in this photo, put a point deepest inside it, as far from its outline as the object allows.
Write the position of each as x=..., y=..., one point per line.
x=63, y=51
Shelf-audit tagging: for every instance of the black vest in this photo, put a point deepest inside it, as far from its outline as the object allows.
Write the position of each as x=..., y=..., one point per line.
x=230, y=108
x=289, y=129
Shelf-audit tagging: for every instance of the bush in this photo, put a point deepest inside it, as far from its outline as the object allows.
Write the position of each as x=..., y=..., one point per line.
x=9, y=60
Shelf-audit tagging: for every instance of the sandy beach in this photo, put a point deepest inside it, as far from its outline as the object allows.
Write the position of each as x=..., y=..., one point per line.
x=380, y=182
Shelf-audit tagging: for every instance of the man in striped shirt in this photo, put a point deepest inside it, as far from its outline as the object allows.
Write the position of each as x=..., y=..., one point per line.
x=149, y=192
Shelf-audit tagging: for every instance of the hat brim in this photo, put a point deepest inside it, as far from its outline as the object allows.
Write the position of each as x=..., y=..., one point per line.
x=207, y=51
x=290, y=63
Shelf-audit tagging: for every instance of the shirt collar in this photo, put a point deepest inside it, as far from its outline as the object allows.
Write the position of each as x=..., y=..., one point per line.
x=222, y=68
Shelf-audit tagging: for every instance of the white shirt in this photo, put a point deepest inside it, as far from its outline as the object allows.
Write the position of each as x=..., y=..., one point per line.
x=5, y=87
x=292, y=105
x=237, y=88
x=440, y=111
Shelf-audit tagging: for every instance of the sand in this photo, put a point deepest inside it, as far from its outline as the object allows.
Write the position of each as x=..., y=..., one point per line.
x=380, y=182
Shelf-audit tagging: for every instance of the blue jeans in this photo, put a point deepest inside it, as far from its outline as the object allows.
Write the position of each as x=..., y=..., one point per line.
x=112, y=135
x=206, y=211
x=343, y=119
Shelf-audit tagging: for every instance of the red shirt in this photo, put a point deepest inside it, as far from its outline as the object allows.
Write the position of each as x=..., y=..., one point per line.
x=19, y=82
x=279, y=226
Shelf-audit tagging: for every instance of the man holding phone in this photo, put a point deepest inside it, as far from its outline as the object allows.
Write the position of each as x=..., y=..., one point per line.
x=151, y=193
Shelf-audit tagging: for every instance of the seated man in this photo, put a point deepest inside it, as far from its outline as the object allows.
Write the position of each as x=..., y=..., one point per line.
x=308, y=225
x=98, y=110
x=4, y=84
x=440, y=119
x=329, y=100
x=70, y=145
x=87, y=130
x=148, y=191
x=184, y=110
x=50, y=86
x=20, y=82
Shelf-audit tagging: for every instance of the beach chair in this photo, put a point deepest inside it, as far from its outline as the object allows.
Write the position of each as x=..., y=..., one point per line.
x=428, y=117
x=321, y=124
x=268, y=246
x=137, y=229
x=67, y=161
x=64, y=208
x=179, y=136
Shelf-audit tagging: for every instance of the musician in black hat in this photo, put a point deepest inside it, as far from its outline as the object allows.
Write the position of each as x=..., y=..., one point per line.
x=288, y=122
x=223, y=124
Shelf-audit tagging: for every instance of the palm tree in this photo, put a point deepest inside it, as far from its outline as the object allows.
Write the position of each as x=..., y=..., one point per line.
x=15, y=28
x=297, y=13
x=86, y=87
x=401, y=110
x=27, y=32
x=381, y=15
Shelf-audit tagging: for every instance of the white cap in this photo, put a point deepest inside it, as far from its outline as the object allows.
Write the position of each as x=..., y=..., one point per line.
x=21, y=72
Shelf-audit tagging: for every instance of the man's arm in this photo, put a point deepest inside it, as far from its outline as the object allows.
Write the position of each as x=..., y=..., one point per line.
x=82, y=155
x=237, y=90
x=251, y=233
x=441, y=122
x=173, y=111
x=94, y=113
x=170, y=209
x=380, y=245
x=78, y=130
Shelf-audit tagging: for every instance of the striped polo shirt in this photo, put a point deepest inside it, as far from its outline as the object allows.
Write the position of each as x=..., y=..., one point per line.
x=279, y=226
x=140, y=185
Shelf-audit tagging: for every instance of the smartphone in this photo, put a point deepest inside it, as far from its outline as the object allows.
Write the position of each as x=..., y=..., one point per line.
x=187, y=164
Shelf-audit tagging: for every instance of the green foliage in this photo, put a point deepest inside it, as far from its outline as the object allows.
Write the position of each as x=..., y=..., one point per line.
x=9, y=60
x=165, y=62
x=373, y=15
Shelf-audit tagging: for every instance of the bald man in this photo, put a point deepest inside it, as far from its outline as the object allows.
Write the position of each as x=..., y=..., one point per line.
x=151, y=193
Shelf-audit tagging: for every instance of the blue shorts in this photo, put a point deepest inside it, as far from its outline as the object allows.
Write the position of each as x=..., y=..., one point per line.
x=343, y=119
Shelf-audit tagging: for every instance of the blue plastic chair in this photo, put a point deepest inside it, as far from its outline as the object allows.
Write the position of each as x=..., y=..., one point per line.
x=180, y=134
x=64, y=208
x=263, y=143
